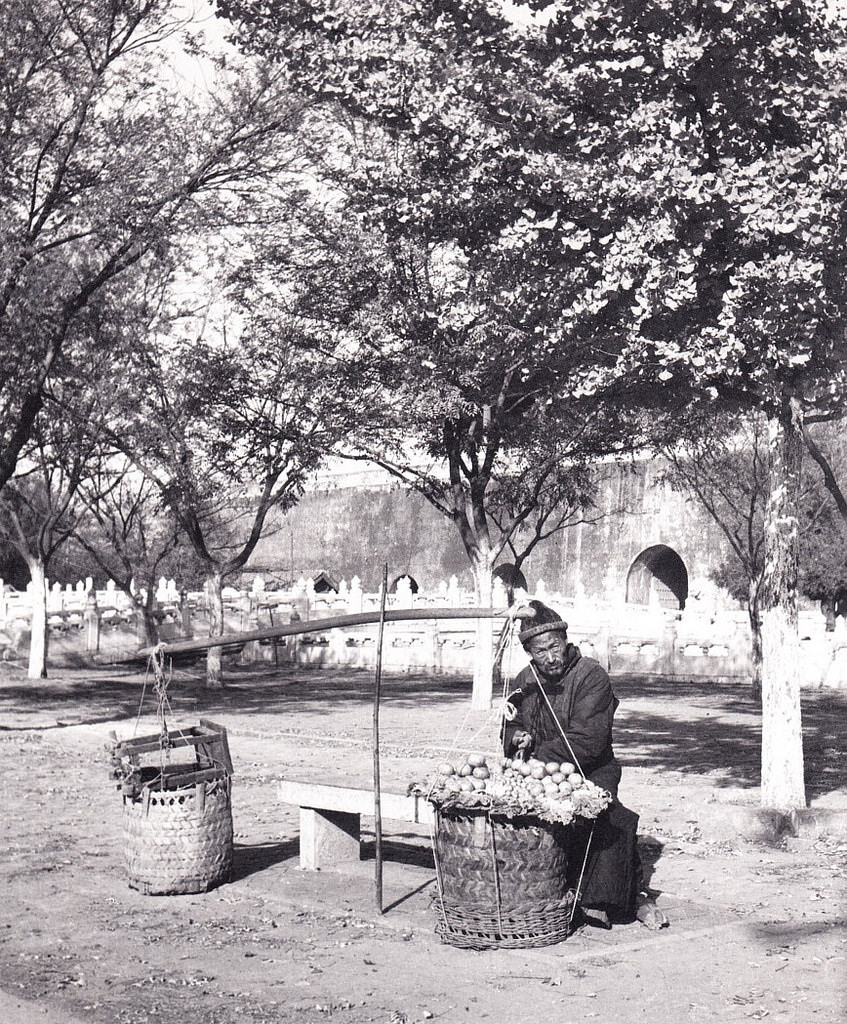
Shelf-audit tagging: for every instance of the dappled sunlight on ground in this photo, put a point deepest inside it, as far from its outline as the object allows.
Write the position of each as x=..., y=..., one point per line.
x=702, y=728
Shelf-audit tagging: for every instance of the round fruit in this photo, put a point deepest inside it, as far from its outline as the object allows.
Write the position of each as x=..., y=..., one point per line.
x=566, y=768
x=478, y=783
x=481, y=773
x=565, y=788
x=575, y=779
x=557, y=777
x=446, y=769
x=524, y=768
x=466, y=786
x=476, y=760
x=465, y=770
x=538, y=772
x=552, y=767
x=536, y=788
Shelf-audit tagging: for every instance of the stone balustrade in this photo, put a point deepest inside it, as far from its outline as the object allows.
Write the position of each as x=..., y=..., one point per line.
x=627, y=638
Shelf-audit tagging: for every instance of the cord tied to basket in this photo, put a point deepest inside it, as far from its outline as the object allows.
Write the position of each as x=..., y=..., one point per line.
x=156, y=661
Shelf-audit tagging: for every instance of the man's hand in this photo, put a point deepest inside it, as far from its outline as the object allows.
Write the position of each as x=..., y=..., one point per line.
x=522, y=740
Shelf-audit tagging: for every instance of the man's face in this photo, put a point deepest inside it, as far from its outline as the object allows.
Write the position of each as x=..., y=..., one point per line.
x=548, y=652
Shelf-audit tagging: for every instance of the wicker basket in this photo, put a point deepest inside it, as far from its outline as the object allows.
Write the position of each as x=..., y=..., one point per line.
x=177, y=813
x=501, y=882
x=179, y=840
x=483, y=926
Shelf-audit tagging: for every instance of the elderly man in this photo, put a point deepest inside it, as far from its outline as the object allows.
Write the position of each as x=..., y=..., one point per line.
x=560, y=682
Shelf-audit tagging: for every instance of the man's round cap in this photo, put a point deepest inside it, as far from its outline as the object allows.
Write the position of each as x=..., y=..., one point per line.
x=537, y=618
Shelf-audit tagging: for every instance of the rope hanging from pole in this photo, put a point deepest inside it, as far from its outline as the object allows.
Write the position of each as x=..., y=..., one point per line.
x=556, y=721
x=156, y=666
x=548, y=704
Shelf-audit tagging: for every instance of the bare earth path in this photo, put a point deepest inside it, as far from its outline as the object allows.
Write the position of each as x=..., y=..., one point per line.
x=758, y=930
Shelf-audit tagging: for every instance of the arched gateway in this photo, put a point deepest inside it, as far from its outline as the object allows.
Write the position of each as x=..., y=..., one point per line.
x=658, y=576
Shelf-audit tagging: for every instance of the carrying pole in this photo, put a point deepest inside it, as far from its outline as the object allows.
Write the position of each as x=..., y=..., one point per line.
x=377, y=688
x=195, y=644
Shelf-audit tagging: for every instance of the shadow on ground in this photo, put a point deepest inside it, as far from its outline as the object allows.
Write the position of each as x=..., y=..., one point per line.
x=650, y=851
x=98, y=694
x=697, y=727
x=403, y=848
x=252, y=859
x=716, y=729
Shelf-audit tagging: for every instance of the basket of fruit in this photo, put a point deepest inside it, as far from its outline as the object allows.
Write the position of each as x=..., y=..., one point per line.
x=500, y=844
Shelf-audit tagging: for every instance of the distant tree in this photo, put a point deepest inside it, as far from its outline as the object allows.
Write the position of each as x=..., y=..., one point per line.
x=13, y=570
x=229, y=430
x=823, y=572
x=823, y=437
x=722, y=463
x=131, y=535
x=823, y=524
x=542, y=503
x=39, y=505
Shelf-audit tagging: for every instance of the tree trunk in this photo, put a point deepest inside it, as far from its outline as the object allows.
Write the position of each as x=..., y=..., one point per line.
x=215, y=608
x=783, y=786
x=828, y=611
x=151, y=626
x=755, y=617
x=39, y=632
x=484, y=651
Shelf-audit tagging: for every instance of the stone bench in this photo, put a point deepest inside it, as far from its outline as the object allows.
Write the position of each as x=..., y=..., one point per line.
x=331, y=817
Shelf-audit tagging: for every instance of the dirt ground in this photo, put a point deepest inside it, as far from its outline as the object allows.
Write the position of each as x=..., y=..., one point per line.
x=757, y=929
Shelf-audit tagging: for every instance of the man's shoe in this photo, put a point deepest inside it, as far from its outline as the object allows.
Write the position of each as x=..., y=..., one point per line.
x=596, y=917
x=650, y=915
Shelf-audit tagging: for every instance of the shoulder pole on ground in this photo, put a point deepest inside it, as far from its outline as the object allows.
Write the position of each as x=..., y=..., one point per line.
x=377, y=688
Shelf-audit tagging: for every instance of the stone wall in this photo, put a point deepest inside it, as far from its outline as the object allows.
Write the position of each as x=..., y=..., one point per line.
x=355, y=526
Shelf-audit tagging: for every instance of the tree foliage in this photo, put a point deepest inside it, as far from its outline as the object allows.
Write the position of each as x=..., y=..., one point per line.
x=456, y=253
x=660, y=182
x=103, y=165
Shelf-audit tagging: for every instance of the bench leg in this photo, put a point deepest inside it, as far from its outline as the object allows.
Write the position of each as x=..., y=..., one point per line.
x=328, y=839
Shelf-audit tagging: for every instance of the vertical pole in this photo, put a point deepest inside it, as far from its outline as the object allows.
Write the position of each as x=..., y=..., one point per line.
x=274, y=641
x=185, y=612
x=377, y=687
x=91, y=618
